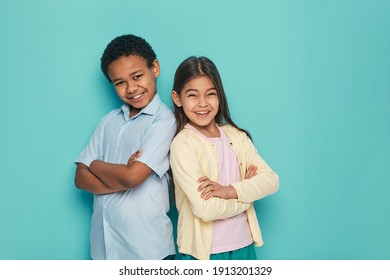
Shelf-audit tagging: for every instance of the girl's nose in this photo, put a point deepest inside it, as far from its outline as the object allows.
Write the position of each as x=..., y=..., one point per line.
x=202, y=101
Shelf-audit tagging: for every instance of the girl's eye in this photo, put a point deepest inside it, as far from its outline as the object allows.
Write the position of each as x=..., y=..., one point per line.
x=191, y=95
x=212, y=93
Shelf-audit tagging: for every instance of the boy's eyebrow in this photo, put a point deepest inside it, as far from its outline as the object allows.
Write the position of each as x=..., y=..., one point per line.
x=131, y=74
x=135, y=72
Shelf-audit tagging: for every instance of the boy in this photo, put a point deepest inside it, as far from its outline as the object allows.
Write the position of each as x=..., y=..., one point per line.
x=126, y=161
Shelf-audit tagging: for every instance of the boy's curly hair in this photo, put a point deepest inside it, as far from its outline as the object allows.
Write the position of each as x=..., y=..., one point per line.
x=126, y=45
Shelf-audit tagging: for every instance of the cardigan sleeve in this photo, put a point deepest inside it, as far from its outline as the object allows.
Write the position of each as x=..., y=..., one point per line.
x=266, y=181
x=186, y=164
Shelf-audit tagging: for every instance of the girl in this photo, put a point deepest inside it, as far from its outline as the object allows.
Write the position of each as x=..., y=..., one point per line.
x=217, y=171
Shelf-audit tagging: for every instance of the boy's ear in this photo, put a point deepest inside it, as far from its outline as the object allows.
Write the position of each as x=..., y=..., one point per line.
x=176, y=98
x=156, y=68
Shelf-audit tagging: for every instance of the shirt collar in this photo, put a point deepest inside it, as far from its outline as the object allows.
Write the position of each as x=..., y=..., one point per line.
x=150, y=109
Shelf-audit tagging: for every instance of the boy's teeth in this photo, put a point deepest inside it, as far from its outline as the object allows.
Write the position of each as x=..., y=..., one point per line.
x=137, y=96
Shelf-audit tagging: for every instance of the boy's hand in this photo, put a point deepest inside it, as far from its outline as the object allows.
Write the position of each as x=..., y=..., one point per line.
x=210, y=189
x=134, y=157
x=251, y=171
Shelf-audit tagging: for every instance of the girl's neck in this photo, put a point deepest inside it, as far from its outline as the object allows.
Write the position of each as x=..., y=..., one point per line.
x=210, y=131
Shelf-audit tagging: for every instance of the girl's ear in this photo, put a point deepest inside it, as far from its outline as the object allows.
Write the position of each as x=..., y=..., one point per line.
x=176, y=98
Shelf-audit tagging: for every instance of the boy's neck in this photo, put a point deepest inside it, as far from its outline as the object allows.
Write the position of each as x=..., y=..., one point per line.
x=134, y=111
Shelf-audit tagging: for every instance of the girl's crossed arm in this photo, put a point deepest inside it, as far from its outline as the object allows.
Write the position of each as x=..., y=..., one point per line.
x=209, y=188
x=187, y=170
x=264, y=183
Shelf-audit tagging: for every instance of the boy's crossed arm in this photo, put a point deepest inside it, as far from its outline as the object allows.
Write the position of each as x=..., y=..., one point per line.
x=103, y=177
x=121, y=177
x=86, y=180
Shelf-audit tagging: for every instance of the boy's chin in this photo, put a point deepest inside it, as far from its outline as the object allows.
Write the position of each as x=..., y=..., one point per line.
x=136, y=106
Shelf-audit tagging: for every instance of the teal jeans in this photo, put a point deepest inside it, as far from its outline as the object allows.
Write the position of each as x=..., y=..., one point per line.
x=246, y=253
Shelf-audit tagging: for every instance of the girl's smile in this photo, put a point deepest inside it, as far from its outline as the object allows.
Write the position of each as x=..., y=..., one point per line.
x=202, y=114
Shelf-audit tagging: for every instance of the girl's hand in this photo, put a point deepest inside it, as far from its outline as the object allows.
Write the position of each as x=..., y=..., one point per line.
x=210, y=189
x=251, y=171
x=134, y=157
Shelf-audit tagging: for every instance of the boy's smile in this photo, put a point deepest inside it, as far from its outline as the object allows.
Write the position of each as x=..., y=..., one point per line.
x=134, y=82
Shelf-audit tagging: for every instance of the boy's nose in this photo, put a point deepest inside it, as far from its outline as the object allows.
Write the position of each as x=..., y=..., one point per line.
x=132, y=88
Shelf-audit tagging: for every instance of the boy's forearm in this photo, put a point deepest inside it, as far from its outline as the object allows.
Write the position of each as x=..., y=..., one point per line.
x=86, y=180
x=120, y=176
x=110, y=174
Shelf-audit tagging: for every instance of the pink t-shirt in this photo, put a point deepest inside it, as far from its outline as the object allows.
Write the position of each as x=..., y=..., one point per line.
x=232, y=233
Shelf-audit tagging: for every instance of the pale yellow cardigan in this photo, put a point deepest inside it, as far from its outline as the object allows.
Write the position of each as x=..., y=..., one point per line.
x=192, y=157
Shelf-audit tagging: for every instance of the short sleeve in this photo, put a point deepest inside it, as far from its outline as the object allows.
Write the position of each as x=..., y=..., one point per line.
x=156, y=142
x=93, y=150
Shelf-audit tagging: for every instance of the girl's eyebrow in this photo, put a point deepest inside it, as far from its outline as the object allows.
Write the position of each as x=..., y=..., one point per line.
x=192, y=89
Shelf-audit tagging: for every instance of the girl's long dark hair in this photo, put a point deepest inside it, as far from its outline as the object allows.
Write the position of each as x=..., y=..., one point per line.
x=194, y=67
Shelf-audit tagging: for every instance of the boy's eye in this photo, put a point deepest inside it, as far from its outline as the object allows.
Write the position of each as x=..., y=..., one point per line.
x=137, y=77
x=119, y=83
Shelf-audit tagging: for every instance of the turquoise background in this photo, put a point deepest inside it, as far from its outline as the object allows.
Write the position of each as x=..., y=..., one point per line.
x=309, y=79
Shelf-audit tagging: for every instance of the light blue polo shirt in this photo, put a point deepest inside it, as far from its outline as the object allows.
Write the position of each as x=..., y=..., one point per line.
x=133, y=224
